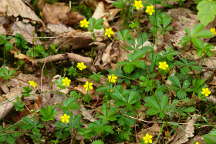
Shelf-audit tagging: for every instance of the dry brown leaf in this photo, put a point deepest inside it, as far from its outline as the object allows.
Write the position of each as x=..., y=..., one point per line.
x=2, y=30
x=26, y=30
x=99, y=11
x=58, y=28
x=87, y=114
x=154, y=130
x=112, y=54
x=17, y=8
x=15, y=86
x=74, y=40
x=182, y=18
x=111, y=14
x=60, y=13
x=185, y=132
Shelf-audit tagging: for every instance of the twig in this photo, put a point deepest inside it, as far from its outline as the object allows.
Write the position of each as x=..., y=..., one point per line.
x=71, y=56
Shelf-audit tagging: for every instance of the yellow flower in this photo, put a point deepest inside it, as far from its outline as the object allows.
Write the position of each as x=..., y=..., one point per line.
x=81, y=66
x=213, y=30
x=109, y=32
x=147, y=138
x=206, y=91
x=66, y=82
x=32, y=84
x=138, y=4
x=163, y=65
x=112, y=78
x=150, y=9
x=84, y=23
x=197, y=143
x=65, y=118
x=88, y=86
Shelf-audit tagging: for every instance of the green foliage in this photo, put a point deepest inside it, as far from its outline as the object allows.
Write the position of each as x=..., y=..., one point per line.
x=9, y=135
x=37, y=51
x=206, y=11
x=160, y=23
x=19, y=105
x=47, y=113
x=6, y=73
x=210, y=137
x=158, y=104
x=195, y=37
x=26, y=91
x=4, y=41
x=97, y=142
x=95, y=24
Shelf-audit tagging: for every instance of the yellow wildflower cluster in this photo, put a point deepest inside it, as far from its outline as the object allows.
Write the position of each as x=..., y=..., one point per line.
x=81, y=66
x=84, y=23
x=206, y=91
x=88, y=86
x=32, y=84
x=65, y=118
x=163, y=65
x=147, y=138
x=109, y=32
x=112, y=78
x=66, y=82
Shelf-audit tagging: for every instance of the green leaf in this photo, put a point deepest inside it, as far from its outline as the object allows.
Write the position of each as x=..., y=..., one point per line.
x=138, y=53
x=128, y=68
x=119, y=4
x=175, y=81
x=5, y=73
x=181, y=94
x=206, y=11
x=48, y=113
x=97, y=142
x=95, y=24
x=210, y=137
x=186, y=84
x=197, y=43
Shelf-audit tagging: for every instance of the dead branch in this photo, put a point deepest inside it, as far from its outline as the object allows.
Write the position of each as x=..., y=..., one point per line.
x=70, y=56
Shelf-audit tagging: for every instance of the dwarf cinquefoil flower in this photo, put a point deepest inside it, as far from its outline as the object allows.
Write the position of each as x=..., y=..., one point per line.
x=150, y=10
x=88, y=86
x=65, y=118
x=81, y=66
x=206, y=91
x=163, y=65
x=109, y=32
x=147, y=139
x=66, y=82
x=112, y=78
x=213, y=31
x=138, y=4
x=84, y=23
x=33, y=84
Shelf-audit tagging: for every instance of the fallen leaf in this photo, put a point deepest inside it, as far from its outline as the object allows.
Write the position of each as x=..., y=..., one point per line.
x=60, y=13
x=74, y=40
x=99, y=11
x=87, y=114
x=17, y=8
x=26, y=30
x=58, y=28
x=185, y=132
